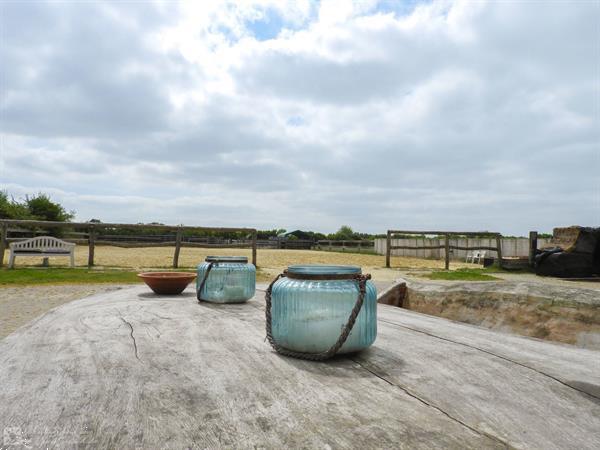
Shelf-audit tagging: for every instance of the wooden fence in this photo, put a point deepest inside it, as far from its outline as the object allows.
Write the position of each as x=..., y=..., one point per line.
x=92, y=231
x=511, y=247
x=356, y=245
x=494, y=245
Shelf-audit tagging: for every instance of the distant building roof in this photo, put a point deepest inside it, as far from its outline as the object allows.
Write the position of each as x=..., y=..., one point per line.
x=298, y=233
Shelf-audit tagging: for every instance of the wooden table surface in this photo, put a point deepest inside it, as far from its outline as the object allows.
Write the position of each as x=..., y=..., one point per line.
x=130, y=369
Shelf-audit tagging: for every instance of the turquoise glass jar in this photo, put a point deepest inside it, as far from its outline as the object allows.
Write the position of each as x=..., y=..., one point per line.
x=230, y=279
x=311, y=305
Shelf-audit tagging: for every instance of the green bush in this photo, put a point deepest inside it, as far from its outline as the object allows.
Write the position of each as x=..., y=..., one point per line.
x=38, y=207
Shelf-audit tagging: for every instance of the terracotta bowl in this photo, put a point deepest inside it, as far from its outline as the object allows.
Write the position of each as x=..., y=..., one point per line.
x=167, y=283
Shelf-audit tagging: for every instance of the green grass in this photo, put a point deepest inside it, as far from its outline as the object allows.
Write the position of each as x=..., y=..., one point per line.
x=29, y=276
x=44, y=275
x=461, y=275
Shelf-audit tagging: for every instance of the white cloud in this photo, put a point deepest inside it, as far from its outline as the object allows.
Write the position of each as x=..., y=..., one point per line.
x=461, y=114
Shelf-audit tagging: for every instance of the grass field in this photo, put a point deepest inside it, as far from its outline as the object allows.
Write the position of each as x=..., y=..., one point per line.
x=60, y=275
x=130, y=260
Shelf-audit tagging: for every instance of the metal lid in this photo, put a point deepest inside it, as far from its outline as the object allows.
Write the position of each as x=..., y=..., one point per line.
x=227, y=259
x=322, y=272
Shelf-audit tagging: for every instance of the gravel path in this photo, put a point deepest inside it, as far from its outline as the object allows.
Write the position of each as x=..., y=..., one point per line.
x=21, y=304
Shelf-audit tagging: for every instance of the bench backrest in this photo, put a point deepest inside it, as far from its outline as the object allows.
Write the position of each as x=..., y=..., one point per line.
x=41, y=243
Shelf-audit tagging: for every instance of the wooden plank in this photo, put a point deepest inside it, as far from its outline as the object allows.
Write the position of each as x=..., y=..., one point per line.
x=124, y=244
x=533, y=244
x=163, y=244
x=499, y=250
x=481, y=247
x=523, y=405
x=447, y=251
x=434, y=247
x=91, y=245
x=454, y=233
x=3, y=242
x=571, y=365
x=177, y=248
x=388, y=248
x=254, y=237
x=49, y=224
x=416, y=247
x=131, y=369
x=352, y=242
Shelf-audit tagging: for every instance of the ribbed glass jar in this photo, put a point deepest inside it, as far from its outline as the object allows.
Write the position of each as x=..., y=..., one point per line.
x=231, y=279
x=308, y=315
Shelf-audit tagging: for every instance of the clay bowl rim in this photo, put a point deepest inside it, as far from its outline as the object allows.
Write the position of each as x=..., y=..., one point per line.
x=167, y=275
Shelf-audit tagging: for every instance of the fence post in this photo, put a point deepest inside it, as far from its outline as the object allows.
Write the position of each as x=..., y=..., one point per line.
x=447, y=251
x=359, y=244
x=3, y=242
x=499, y=249
x=388, y=250
x=177, y=248
x=533, y=237
x=91, y=245
x=254, y=237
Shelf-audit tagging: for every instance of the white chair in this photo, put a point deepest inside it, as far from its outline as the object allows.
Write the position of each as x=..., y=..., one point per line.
x=476, y=255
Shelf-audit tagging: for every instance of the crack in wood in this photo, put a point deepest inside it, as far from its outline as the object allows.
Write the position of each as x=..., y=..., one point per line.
x=431, y=405
x=132, y=337
x=558, y=380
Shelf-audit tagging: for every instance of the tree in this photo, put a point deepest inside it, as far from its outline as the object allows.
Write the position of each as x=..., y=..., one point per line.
x=42, y=208
x=345, y=233
x=11, y=209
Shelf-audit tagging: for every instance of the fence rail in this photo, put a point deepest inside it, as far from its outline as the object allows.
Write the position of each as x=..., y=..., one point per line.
x=93, y=236
x=448, y=246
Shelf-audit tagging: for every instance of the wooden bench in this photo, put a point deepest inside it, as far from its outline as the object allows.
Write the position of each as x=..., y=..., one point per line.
x=43, y=246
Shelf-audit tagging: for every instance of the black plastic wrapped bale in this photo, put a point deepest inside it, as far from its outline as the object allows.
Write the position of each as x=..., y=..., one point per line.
x=575, y=253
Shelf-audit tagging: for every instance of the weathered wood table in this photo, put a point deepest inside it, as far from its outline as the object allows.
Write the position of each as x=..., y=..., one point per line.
x=130, y=369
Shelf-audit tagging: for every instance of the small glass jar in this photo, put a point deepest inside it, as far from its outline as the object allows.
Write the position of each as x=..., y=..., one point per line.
x=230, y=280
x=311, y=305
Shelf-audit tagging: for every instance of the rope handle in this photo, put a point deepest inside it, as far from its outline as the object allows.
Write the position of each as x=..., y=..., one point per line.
x=203, y=282
x=322, y=356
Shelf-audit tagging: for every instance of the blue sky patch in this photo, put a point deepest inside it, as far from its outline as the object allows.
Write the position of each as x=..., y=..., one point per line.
x=267, y=27
x=399, y=7
x=296, y=121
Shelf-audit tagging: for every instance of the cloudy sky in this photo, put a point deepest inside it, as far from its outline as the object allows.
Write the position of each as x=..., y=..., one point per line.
x=391, y=114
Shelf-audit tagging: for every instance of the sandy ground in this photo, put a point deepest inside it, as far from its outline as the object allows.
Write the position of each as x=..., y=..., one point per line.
x=20, y=304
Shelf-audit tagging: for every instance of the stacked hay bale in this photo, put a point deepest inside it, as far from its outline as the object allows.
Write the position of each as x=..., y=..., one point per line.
x=575, y=253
